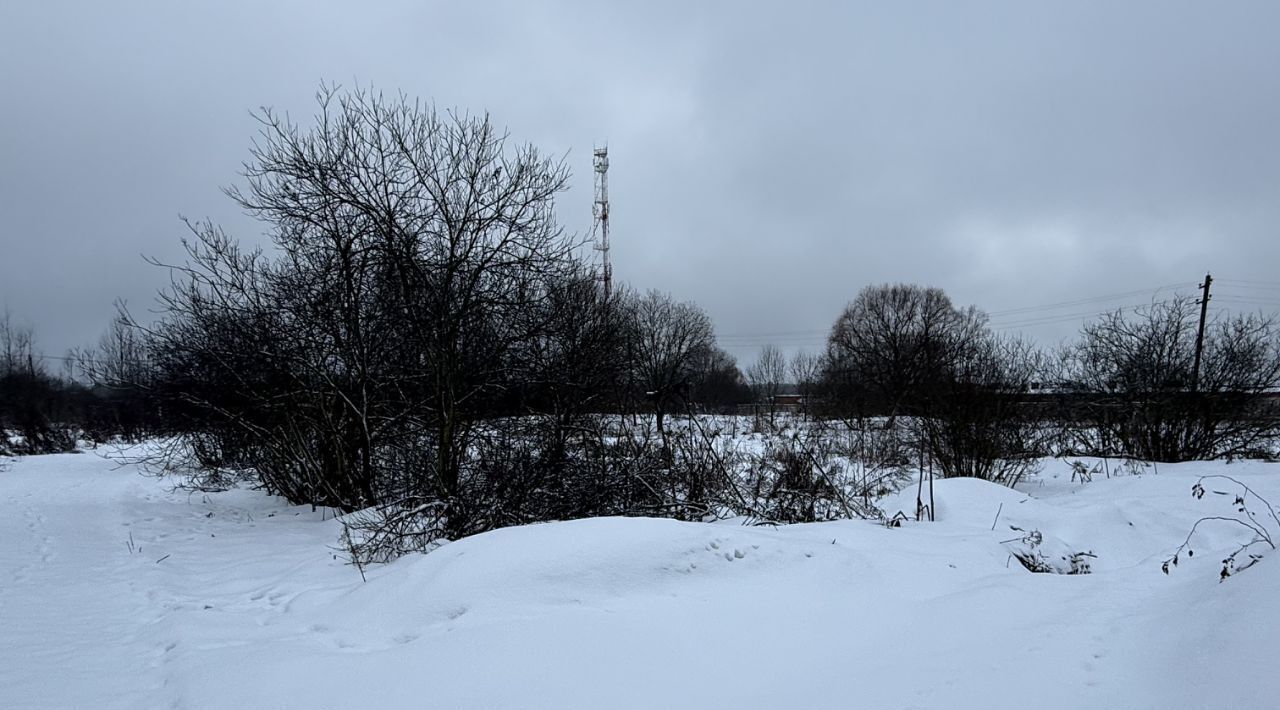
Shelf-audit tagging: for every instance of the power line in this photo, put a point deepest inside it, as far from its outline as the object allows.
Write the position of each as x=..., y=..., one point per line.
x=1061, y=318
x=748, y=340
x=1249, y=301
x=782, y=334
x=1247, y=283
x=1093, y=299
x=1003, y=320
x=1007, y=319
x=1273, y=298
x=1023, y=315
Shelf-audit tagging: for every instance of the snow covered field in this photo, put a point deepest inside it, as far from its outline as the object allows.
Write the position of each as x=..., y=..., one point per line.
x=116, y=593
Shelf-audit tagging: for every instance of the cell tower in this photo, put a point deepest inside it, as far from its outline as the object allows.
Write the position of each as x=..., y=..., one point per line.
x=600, y=210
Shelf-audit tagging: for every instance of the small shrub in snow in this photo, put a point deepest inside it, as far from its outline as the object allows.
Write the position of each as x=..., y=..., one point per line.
x=1080, y=470
x=382, y=533
x=800, y=477
x=1032, y=551
x=1079, y=562
x=1136, y=467
x=879, y=452
x=1260, y=520
x=1084, y=473
x=194, y=462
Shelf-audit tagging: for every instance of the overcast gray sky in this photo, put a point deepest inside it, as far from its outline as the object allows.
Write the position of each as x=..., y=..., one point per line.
x=768, y=159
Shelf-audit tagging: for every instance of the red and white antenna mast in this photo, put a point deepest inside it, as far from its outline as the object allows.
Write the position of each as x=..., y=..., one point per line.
x=600, y=210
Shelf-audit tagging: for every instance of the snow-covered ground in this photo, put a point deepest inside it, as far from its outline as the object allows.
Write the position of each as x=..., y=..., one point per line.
x=116, y=593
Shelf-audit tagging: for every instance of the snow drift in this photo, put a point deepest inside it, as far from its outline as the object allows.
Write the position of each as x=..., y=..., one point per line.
x=120, y=594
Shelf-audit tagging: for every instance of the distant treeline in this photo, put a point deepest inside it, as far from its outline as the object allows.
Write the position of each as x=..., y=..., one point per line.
x=423, y=336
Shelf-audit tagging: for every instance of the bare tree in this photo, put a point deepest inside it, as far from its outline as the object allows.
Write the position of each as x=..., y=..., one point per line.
x=767, y=375
x=17, y=346
x=906, y=349
x=806, y=372
x=32, y=402
x=1130, y=381
x=118, y=369
x=670, y=340
x=718, y=384
x=888, y=350
x=119, y=360
x=414, y=254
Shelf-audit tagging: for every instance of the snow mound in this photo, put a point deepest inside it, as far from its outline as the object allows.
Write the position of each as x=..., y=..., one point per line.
x=525, y=570
x=966, y=502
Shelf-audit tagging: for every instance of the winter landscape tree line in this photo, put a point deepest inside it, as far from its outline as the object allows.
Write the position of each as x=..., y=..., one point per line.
x=424, y=343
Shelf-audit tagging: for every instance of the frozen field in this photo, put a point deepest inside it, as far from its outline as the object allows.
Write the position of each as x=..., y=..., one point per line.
x=117, y=593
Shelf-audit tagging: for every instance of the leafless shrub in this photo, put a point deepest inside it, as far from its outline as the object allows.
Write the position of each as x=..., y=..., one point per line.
x=1133, y=390
x=880, y=452
x=385, y=532
x=804, y=476
x=1028, y=549
x=1250, y=511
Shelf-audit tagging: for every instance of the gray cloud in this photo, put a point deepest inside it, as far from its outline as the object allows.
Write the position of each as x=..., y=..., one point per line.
x=768, y=160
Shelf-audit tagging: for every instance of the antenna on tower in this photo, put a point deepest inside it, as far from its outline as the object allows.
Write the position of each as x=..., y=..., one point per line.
x=600, y=211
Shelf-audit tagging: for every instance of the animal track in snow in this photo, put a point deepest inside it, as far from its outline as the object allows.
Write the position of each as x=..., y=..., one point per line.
x=728, y=553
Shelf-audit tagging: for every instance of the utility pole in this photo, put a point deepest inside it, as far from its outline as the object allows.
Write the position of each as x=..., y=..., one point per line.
x=1204, y=311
